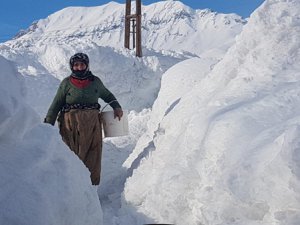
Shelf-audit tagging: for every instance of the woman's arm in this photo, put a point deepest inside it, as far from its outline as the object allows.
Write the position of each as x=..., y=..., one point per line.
x=58, y=102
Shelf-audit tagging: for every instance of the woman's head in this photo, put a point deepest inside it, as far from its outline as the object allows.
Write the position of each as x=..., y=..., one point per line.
x=79, y=58
x=79, y=64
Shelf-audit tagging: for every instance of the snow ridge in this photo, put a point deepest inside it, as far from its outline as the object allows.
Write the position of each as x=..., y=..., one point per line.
x=226, y=152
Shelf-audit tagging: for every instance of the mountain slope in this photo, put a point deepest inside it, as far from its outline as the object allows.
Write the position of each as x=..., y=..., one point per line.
x=166, y=25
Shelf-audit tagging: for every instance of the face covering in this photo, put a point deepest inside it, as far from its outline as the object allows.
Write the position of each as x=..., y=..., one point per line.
x=81, y=74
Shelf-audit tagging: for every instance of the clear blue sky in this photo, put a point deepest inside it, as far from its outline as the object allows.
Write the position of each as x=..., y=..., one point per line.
x=19, y=14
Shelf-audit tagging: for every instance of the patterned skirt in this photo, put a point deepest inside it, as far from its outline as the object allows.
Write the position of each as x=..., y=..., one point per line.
x=81, y=131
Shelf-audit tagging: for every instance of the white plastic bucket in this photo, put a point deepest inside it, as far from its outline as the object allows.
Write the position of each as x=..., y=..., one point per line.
x=113, y=127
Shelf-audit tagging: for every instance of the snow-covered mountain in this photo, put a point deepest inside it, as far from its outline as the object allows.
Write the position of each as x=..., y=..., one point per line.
x=166, y=25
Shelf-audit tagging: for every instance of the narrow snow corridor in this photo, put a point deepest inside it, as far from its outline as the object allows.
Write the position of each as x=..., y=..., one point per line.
x=114, y=175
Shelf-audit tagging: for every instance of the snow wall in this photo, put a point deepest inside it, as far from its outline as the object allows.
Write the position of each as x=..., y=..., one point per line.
x=222, y=145
x=41, y=180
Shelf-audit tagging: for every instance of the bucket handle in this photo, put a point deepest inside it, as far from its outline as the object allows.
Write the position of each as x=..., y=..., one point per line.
x=107, y=105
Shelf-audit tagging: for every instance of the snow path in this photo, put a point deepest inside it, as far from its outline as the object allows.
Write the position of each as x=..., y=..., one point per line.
x=112, y=180
x=113, y=174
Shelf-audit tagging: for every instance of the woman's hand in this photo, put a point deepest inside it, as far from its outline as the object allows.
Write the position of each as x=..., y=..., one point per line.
x=118, y=112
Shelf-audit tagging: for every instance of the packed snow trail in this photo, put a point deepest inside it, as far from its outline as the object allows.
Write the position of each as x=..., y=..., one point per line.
x=113, y=174
x=113, y=177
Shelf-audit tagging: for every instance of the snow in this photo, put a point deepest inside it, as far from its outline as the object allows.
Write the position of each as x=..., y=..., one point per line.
x=44, y=49
x=166, y=25
x=227, y=151
x=42, y=182
x=214, y=119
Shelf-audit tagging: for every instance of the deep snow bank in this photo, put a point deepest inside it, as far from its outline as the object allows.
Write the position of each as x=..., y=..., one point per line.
x=227, y=151
x=42, y=182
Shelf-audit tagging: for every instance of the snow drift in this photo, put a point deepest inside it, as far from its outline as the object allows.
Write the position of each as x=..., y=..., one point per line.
x=42, y=182
x=222, y=147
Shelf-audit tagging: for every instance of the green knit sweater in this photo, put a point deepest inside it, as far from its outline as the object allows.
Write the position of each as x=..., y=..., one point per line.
x=67, y=93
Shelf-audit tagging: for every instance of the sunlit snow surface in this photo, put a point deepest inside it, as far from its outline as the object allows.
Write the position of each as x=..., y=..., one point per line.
x=42, y=182
x=226, y=150
x=219, y=146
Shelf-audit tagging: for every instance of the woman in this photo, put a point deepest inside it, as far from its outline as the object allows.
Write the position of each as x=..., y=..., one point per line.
x=76, y=102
